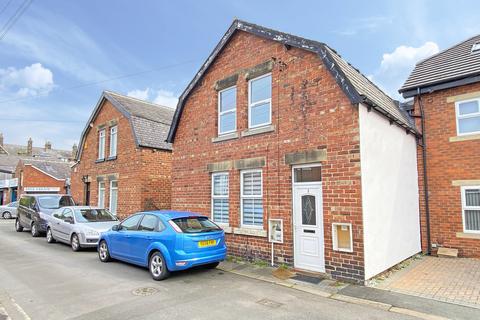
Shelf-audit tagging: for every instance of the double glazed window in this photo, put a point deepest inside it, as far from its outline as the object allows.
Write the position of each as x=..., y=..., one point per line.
x=101, y=194
x=101, y=144
x=468, y=117
x=227, y=110
x=113, y=196
x=113, y=141
x=220, y=204
x=251, y=198
x=260, y=101
x=471, y=209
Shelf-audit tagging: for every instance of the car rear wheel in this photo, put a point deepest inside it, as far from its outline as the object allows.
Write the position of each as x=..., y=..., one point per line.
x=18, y=226
x=75, y=243
x=7, y=215
x=158, y=267
x=34, y=230
x=103, y=252
x=212, y=265
x=50, y=238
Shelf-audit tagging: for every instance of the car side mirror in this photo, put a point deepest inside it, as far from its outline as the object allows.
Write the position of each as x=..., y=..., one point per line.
x=69, y=220
x=116, y=227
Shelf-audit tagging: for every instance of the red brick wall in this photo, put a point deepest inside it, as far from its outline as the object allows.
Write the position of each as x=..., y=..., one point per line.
x=309, y=111
x=33, y=177
x=142, y=173
x=447, y=161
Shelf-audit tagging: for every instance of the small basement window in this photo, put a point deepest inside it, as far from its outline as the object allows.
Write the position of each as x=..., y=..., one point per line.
x=342, y=237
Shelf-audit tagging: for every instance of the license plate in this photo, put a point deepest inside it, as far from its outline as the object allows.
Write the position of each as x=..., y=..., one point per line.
x=207, y=243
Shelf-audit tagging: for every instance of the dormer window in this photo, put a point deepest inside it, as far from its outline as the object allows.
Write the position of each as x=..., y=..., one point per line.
x=476, y=47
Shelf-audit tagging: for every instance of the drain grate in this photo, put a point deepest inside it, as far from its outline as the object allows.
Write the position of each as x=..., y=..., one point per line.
x=309, y=279
x=143, y=292
x=269, y=303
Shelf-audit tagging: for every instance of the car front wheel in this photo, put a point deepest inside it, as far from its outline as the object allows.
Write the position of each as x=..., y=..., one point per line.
x=18, y=226
x=158, y=267
x=7, y=215
x=75, y=243
x=103, y=252
x=50, y=238
x=34, y=230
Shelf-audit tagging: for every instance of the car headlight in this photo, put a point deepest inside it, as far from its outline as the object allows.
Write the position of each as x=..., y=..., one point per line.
x=92, y=233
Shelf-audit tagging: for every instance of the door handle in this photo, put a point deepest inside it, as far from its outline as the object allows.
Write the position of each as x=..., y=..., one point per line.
x=308, y=231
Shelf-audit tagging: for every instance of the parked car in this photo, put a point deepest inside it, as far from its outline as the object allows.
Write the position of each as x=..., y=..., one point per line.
x=80, y=227
x=164, y=241
x=9, y=211
x=33, y=209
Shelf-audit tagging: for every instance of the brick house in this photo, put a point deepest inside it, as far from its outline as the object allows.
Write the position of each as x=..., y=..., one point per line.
x=297, y=155
x=446, y=91
x=42, y=176
x=123, y=162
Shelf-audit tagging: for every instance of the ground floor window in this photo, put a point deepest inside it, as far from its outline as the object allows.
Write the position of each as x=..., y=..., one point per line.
x=113, y=196
x=251, y=198
x=220, y=203
x=101, y=194
x=471, y=209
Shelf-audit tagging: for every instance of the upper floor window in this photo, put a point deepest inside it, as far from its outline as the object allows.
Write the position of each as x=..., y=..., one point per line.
x=113, y=141
x=471, y=209
x=101, y=144
x=468, y=116
x=260, y=101
x=227, y=110
x=220, y=203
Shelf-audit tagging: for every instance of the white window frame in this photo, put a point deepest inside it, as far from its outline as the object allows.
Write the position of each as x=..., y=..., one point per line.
x=242, y=196
x=458, y=116
x=250, y=105
x=101, y=144
x=335, y=237
x=103, y=197
x=110, y=199
x=464, y=207
x=113, y=146
x=213, y=196
x=221, y=113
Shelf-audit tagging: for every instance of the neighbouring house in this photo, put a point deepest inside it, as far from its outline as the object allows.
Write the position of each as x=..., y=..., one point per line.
x=11, y=154
x=446, y=92
x=297, y=155
x=42, y=176
x=123, y=162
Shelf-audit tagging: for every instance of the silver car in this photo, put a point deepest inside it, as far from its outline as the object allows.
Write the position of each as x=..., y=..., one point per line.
x=79, y=226
x=9, y=211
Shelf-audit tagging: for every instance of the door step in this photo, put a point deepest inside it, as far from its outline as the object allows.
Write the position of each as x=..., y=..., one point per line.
x=308, y=276
x=447, y=252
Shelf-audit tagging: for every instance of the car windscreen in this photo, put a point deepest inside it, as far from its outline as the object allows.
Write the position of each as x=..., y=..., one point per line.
x=196, y=224
x=55, y=202
x=93, y=215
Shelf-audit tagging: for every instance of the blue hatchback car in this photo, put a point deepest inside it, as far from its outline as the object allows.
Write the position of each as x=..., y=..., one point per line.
x=164, y=241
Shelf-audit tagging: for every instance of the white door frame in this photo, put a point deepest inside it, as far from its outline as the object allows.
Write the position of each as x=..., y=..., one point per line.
x=305, y=184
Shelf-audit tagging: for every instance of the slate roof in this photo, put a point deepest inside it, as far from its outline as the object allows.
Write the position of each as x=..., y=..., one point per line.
x=150, y=122
x=453, y=64
x=357, y=87
x=57, y=169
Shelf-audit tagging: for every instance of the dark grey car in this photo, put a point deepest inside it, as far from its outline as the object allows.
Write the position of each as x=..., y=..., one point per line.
x=33, y=208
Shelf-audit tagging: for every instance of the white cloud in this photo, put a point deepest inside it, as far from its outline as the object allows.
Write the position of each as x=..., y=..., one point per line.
x=28, y=81
x=366, y=24
x=396, y=66
x=161, y=96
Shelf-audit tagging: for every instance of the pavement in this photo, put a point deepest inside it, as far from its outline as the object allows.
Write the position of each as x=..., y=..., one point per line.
x=49, y=281
x=453, y=280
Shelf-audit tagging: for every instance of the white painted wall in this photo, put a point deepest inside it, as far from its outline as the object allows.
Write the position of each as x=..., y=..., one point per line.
x=389, y=193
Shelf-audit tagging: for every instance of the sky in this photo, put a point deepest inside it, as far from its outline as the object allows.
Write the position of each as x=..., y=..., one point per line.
x=59, y=56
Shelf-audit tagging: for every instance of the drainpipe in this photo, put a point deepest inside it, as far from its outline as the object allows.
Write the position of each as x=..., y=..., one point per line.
x=425, y=176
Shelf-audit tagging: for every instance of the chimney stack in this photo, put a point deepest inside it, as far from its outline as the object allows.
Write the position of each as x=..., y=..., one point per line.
x=1, y=139
x=74, y=151
x=30, y=147
x=48, y=145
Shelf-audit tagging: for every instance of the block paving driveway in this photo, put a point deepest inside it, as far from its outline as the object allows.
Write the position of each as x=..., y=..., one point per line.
x=454, y=280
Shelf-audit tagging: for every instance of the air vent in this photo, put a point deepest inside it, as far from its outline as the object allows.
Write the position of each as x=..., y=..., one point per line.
x=476, y=47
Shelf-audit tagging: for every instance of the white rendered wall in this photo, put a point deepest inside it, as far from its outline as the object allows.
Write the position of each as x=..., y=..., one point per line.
x=389, y=193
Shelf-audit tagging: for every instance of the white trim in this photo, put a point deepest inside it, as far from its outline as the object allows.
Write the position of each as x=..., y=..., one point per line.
x=48, y=174
x=307, y=165
x=242, y=196
x=220, y=113
x=335, y=240
x=101, y=144
x=473, y=115
x=113, y=128
x=464, y=207
x=110, y=197
x=250, y=105
x=103, y=198
x=213, y=196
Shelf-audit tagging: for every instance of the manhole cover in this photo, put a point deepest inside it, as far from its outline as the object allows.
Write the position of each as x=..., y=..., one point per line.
x=143, y=292
x=269, y=303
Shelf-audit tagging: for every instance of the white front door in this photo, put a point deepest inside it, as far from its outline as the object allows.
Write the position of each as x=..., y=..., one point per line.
x=308, y=227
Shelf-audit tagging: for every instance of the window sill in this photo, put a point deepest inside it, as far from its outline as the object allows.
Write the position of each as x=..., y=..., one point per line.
x=467, y=235
x=250, y=232
x=111, y=158
x=226, y=228
x=99, y=160
x=259, y=130
x=465, y=137
x=225, y=137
